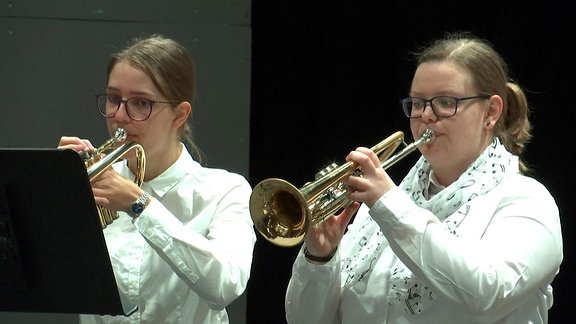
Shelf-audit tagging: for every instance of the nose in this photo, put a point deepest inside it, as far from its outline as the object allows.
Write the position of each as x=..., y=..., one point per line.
x=122, y=114
x=428, y=114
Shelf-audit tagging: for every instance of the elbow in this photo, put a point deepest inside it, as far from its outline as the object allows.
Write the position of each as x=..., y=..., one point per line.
x=220, y=296
x=220, y=303
x=492, y=307
x=483, y=313
x=487, y=312
x=219, y=300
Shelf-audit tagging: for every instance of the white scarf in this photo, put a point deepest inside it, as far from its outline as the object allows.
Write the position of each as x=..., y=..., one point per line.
x=407, y=291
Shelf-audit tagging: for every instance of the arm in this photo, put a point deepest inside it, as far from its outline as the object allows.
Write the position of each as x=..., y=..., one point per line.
x=212, y=249
x=508, y=247
x=313, y=293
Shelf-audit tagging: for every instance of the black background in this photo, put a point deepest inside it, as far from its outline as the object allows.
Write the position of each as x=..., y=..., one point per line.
x=327, y=76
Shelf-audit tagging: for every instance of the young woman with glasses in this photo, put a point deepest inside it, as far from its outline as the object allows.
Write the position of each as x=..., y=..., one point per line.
x=182, y=246
x=466, y=237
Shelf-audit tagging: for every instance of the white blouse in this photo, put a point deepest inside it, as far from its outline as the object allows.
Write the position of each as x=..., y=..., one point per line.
x=498, y=269
x=188, y=255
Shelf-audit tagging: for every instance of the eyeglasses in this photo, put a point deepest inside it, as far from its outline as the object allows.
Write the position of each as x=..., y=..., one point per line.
x=442, y=106
x=137, y=108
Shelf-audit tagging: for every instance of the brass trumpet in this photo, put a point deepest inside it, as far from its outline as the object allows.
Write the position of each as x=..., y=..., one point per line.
x=96, y=164
x=283, y=214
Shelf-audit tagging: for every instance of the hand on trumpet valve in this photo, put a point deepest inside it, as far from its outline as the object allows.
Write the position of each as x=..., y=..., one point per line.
x=372, y=183
x=77, y=144
x=113, y=191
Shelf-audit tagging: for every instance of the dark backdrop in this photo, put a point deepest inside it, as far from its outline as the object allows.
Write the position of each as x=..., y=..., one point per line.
x=327, y=77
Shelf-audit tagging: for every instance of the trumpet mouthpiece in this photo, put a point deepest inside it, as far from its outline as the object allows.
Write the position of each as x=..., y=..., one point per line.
x=120, y=134
x=428, y=136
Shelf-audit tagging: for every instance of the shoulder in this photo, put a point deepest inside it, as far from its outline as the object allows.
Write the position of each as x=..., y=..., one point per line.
x=526, y=196
x=219, y=179
x=215, y=174
x=521, y=185
x=210, y=175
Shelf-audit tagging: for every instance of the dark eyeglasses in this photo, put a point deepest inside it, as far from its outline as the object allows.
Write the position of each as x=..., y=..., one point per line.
x=442, y=106
x=137, y=108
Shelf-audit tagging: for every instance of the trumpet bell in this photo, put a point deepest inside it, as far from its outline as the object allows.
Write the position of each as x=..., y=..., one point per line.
x=279, y=212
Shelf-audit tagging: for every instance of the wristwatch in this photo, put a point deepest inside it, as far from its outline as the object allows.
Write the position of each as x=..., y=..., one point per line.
x=139, y=204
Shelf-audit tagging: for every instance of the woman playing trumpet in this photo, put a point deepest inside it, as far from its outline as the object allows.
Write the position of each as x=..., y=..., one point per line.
x=182, y=247
x=466, y=237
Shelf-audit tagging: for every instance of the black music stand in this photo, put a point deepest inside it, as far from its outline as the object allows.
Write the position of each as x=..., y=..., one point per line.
x=53, y=256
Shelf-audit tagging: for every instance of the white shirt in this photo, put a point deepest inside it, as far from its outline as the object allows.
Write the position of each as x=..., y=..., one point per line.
x=188, y=255
x=497, y=270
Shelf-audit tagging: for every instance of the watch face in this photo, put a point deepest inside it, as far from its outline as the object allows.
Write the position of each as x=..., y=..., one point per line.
x=137, y=208
x=138, y=205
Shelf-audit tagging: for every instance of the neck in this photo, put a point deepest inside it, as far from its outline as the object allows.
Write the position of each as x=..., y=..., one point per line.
x=447, y=175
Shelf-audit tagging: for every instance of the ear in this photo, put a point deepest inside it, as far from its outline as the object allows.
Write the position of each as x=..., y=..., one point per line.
x=495, y=108
x=181, y=113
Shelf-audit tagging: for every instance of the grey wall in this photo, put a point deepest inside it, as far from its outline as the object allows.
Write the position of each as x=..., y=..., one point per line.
x=52, y=60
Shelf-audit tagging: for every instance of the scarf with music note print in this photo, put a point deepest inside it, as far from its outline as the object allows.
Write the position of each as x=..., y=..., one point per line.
x=407, y=291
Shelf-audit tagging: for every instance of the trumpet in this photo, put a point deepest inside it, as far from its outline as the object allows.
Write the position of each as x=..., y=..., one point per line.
x=283, y=213
x=96, y=163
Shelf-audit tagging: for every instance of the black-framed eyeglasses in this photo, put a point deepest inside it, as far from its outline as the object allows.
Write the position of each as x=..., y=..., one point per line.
x=442, y=106
x=137, y=108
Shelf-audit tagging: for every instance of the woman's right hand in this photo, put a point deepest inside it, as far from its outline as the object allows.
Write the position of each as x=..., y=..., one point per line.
x=75, y=143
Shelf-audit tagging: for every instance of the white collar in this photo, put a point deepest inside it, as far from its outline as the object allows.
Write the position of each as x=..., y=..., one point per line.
x=434, y=187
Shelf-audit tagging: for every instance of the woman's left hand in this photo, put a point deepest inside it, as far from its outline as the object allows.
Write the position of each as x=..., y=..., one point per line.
x=113, y=191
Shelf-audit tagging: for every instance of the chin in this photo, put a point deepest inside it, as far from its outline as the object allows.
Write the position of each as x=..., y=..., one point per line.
x=428, y=150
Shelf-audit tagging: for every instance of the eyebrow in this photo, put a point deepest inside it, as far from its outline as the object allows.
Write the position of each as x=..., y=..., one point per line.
x=133, y=94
